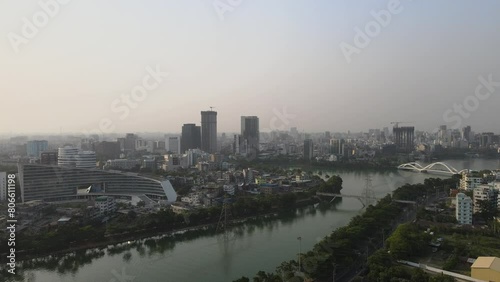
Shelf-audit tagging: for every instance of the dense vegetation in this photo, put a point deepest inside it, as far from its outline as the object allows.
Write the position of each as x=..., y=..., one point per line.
x=347, y=248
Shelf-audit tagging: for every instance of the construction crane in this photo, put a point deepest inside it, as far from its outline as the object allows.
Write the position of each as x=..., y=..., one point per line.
x=396, y=123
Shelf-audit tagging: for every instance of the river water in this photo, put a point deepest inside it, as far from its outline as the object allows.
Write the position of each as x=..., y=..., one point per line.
x=259, y=245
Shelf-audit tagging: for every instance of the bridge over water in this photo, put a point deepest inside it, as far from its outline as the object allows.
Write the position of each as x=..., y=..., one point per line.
x=437, y=168
x=364, y=199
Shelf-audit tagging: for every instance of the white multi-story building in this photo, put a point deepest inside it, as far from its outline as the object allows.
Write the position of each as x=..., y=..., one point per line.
x=463, y=210
x=483, y=193
x=468, y=182
x=73, y=157
x=105, y=204
x=3, y=186
x=194, y=199
x=86, y=159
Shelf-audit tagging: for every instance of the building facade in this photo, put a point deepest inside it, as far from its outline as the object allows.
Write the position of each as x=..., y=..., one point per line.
x=35, y=147
x=308, y=149
x=486, y=269
x=463, y=210
x=468, y=182
x=49, y=158
x=122, y=164
x=105, y=204
x=209, y=131
x=404, y=138
x=174, y=145
x=191, y=137
x=483, y=193
x=73, y=157
x=55, y=183
x=250, y=135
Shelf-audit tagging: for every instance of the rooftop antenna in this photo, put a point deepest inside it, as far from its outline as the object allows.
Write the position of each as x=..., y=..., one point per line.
x=211, y=108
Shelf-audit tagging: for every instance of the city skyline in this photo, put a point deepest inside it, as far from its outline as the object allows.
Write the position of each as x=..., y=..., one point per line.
x=71, y=74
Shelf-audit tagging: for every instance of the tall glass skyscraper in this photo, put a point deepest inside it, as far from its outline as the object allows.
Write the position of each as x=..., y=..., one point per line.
x=209, y=131
x=250, y=135
x=191, y=137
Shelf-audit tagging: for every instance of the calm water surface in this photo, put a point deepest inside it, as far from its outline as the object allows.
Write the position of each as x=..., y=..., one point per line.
x=260, y=245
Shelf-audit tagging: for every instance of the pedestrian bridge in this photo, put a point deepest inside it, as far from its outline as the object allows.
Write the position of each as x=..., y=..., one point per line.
x=438, y=168
x=365, y=199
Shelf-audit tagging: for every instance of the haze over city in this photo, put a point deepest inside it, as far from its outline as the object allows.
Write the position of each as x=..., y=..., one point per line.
x=256, y=58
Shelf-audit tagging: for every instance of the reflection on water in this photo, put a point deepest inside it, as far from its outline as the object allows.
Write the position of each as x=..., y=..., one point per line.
x=158, y=246
x=200, y=255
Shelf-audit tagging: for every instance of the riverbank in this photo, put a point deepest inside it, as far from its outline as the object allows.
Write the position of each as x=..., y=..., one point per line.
x=116, y=239
x=344, y=251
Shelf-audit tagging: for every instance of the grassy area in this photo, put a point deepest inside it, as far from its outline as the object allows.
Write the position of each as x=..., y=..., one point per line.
x=475, y=245
x=464, y=246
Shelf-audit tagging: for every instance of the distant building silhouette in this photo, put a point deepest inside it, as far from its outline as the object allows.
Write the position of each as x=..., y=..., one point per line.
x=174, y=145
x=107, y=150
x=249, y=134
x=209, y=131
x=308, y=149
x=404, y=138
x=48, y=158
x=129, y=142
x=191, y=137
x=35, y=147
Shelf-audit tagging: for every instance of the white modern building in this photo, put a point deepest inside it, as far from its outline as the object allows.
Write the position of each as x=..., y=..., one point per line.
x=86, y=159
x=3, y=186
x=463, y=210
x=73, y=157
x=468, y=182
x=105, y=204
x=194, y=199
x=67, y=156
x=59, y=183
x=482, y=193
x=174, y=145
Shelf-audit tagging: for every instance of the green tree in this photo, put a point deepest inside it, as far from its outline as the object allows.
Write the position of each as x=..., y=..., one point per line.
x=487, y=210
x=418, y=275
x=406, y=241
x=332, y=185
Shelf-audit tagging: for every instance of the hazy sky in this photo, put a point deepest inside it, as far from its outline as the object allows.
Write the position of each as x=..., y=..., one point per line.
x=264, y=58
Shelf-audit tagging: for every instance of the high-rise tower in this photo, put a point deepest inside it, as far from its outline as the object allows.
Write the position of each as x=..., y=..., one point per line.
x=249, y=135
x=209, y=131
x=191, y=137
